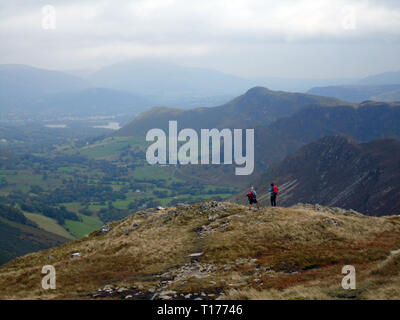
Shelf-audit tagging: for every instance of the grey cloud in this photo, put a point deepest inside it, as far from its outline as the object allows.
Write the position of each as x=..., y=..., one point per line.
x=94, y=33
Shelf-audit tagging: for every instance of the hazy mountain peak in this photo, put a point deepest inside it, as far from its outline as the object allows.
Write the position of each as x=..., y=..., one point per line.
x=382, y=79
x=166, y=79
x=257, y=106
x=258, y=90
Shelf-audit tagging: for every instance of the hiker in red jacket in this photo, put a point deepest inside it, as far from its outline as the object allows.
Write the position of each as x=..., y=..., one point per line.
x=274, y=192
x=252, y=196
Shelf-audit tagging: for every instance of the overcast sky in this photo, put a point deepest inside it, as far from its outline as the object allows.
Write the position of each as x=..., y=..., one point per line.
x=249, y=38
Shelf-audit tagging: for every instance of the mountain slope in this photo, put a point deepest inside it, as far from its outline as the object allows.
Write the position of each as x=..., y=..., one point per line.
x=367, y=121
x=381, y=79
x=207, y=250
x=301, y=84
x=380, y=87
x=19, y=236
x=167, y=80
x=359, y=93
x=89, y=102
x=258, y=106
x=337, y=171
x=19, y=84
x=273, y=142
x=363, y=122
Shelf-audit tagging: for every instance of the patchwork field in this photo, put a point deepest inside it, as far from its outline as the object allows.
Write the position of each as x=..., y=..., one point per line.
x=82, y=228
x=49, y=225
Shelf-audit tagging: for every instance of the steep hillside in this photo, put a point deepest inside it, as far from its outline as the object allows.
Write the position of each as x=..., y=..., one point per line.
x=368, y=121
x=220, y=250
x=258, y=106
x=359, y=93
x=337, y=171
x=19, y=236
x=364, y=122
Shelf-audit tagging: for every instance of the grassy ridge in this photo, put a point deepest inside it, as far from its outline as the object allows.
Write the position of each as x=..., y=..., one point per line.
x=282, y=253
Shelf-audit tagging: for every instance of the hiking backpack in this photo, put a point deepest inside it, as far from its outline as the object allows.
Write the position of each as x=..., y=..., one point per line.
x=250, y=195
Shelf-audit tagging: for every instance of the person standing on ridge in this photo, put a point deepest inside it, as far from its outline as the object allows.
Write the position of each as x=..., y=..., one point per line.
x=252, y=196
x=274, y=192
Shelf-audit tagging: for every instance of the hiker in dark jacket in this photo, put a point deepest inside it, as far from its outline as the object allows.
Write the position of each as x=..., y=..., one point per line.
x=274, y=192
x=252, y=196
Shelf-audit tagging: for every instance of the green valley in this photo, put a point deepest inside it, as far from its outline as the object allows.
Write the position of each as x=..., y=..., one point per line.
x=77, y=187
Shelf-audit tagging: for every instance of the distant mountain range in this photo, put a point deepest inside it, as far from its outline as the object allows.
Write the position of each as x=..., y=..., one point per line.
x=166, y=82
x=301, y=84
x=283, y=122
x=27, y=92
x=128, y=88
x=337, y=171
x=33, y=82
x=381, y=79
x=359, y=93
x=258, y=106
x=20, y=84
x=131, y=87
x=381, y=87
